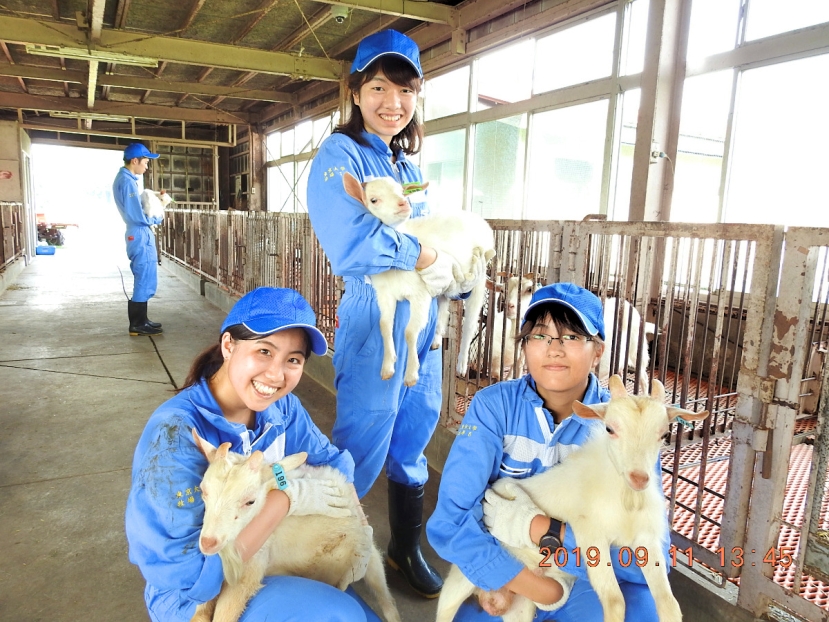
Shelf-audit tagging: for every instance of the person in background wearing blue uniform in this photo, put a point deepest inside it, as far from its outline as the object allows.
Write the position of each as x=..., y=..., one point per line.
x=382, y=422
x=518, y=428
x=238, y=391
x=139, y=237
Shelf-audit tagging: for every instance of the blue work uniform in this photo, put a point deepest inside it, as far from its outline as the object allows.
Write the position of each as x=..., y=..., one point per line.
x=165, y=510
x=507, y=432
x=139, y=237
x=378, y=421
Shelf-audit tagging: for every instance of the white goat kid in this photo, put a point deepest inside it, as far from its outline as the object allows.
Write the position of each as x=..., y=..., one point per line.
x=627, y=348
x=625, y=506
x=465, y=236
x=313, y=546
x=154, y=203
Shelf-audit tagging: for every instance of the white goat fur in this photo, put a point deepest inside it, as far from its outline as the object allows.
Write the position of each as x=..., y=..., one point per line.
x=627, y=348
x=624, y=505
x=316, y=547
x=465, y=236
x=505, y=322
x=153, y=203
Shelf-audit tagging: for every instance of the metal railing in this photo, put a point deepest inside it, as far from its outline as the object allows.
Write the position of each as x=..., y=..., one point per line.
x=741, y=328
x=12, y=233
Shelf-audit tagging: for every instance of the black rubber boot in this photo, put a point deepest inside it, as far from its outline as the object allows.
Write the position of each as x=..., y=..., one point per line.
x=139, y=325
x=404, y=554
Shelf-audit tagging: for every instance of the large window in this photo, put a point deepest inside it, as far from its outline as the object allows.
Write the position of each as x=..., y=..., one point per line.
x=442, y=166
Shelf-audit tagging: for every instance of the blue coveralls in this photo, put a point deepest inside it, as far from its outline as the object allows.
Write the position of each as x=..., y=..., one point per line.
x=139, y=237
x=165, y=510
x=507, y=432
x=378, y=421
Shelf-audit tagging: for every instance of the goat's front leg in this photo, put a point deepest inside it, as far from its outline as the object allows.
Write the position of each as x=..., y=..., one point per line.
x=655, y=572
x=456, y=589
x=604, y=581
x=387, y=305
x=418, y=318
x=234, y=598
x=443, y=322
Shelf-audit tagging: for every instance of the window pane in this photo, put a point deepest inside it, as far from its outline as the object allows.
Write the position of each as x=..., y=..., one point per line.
x=280, y=180
x=288, y=143
x=705, y=104
x=272, y=145
x=635, y=38
x=587, y=48
x=447, y=94
x=771, y=17
x=301, y=194
x=442, y=167
x=779, y=162
x=713, y=27
x=624, y=157
x=322, y=129
x=498, y=173
x=505, y=76
x=302, y=136
x=565, y=162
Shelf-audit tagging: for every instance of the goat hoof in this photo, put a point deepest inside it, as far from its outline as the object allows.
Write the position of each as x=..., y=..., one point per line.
x=385, y=374
x=411, y=381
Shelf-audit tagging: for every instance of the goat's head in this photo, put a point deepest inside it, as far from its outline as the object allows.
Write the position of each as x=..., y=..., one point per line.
x=635, y=426
x=233, y=490
x=383, y=197
x=519, y=293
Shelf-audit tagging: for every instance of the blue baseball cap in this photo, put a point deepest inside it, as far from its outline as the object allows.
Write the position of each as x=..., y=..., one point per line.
x=585, y=304
x=383, y=43
x=267, y=310
x=137, y=150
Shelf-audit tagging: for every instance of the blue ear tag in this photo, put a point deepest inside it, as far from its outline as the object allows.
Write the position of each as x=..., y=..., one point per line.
x=687, y=424
x=279, y=474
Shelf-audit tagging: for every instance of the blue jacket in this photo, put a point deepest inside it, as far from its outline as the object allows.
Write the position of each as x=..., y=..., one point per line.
x=356, y=242
x=127, y=195
x=165, y=510
x=506, y=432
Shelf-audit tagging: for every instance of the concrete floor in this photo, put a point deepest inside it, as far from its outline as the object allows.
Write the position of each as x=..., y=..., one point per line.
x=75, y=393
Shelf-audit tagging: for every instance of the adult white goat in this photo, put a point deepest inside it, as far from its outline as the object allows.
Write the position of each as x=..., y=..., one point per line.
x=625, y=505
x=154, y=203
x=465, y=236
x=626, y=357
x=505, y=323
x=316, y=547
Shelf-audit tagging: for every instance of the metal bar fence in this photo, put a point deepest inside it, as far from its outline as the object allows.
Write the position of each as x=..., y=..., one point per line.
x=12, y=234
x=725, y=340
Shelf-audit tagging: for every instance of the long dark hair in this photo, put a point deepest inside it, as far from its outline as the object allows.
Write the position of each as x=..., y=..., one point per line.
x=206, y=364
x=400, y=72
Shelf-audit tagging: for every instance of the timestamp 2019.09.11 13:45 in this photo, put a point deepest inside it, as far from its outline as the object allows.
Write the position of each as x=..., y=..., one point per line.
x=626, y=556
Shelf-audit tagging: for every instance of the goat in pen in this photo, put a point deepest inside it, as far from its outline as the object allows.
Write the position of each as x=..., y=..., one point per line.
x=625, y=508
x=336, y=551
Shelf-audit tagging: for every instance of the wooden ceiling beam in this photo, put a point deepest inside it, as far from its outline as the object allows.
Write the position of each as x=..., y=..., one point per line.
x=9, y=58
x=142, y=111
x=421, y=11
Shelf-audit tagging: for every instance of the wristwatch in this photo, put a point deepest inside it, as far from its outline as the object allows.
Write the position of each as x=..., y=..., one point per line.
x=552, y=539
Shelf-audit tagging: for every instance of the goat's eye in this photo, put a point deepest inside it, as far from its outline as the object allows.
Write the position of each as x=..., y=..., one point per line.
x=609, y=430
x=372, y=200
x=251, y=502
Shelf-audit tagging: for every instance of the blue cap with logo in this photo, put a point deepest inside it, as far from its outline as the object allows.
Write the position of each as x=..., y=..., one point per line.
x=137, y=150
x=384, y=43
x=584, y=303
x=267, y=310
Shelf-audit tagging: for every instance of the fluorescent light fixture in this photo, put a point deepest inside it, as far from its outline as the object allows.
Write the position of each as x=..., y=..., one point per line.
x=88, y=116
x=88, y=55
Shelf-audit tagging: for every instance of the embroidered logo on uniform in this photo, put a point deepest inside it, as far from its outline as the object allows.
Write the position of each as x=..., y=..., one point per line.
x=466, y=430
x=332, y=172
x=187, y=496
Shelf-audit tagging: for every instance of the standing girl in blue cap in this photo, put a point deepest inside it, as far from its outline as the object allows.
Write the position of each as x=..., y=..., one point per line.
x=518, y=428
x=382, y=422
x=139, y=237
x=238, y=391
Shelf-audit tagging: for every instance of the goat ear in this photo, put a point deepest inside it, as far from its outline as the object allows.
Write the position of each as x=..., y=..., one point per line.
x=674, y=412
x=594, y=411
x=617, y=387
x=353, y=188
x=255, y=460
x=289, y=463
x=424, y=185
x=221, y=452
x=207, y=450
x=658, y=391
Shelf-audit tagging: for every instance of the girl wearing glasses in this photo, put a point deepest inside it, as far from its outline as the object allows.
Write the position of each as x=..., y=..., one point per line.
x=518, y=428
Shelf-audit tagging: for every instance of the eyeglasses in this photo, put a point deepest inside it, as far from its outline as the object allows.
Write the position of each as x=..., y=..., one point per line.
x=568, y=342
